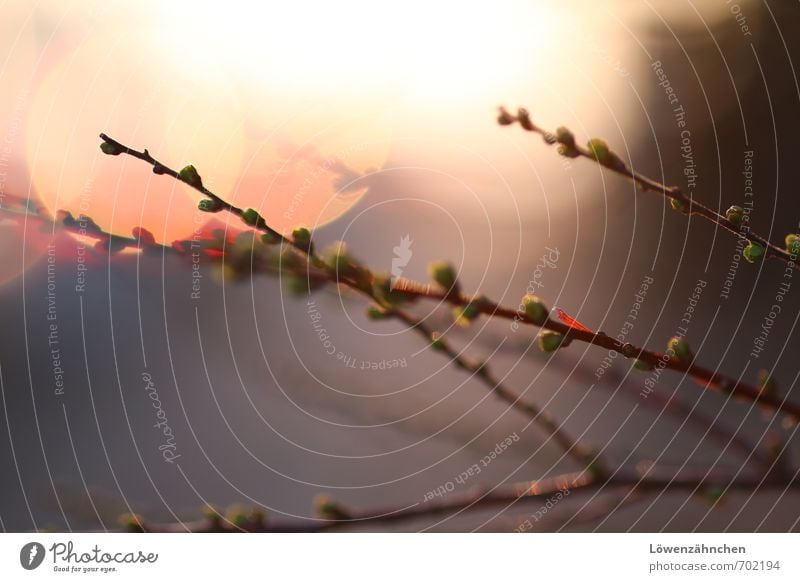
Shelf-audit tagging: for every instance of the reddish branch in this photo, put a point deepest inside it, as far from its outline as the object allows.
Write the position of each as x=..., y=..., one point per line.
x=361, y=280
x=705, y=377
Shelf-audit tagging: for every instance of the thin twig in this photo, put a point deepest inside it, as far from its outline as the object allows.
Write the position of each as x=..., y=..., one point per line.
x=690, y=206
x=356, y=282
x=523, y=492
x=705, y=377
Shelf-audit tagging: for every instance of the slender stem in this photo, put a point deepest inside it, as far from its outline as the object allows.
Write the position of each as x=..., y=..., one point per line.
x=691, y=206
x=479, y=369
x=706, y=378
x=723, y=437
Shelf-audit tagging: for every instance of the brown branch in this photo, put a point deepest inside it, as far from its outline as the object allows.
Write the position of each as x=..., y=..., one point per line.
x=353, y=276
x=725, y=438
x=688, y=205
x=705, y=377
x=523, y=492
x=586, y=456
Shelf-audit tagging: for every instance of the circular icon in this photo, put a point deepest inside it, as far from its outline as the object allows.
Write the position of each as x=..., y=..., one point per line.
x=31, y=555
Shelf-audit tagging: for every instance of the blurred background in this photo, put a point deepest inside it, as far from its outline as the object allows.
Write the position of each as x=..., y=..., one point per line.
x=373, y=125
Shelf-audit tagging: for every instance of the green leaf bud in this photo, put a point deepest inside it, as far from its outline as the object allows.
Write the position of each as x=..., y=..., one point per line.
x=237, y=515
x=111, y=149
x=680, y=348
x=524, y=119
x=209, y=205
x=535, y=310
x=257, y=518
x=271, y=237
x=504, y=117
x=299, y=285
x=328, y=508
x=792, y=244
x=385, y=292
x=735, y=214
x=466, y=314
x=753, y=252
x=550, y=341
x=714, y=495
x=444, y=274
x=131, y=523
x=339, y=261
x=766, y=383
x=301, y=237
x=376, y=313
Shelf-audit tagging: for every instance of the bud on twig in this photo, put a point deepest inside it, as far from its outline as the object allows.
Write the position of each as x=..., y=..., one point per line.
x=258, y=519
x=550, y=341
x=535, y=310
x=271, y=237
x=599, y=150
x=714, y=495
x=209, y=205
x=300, y=285
x=212, y=517
x=437, y=343
x=339, y=261
x=524, y=119
x=466, y=314
x=301, y=237
x=753, y=252
x=111, y=149
x=328, y=508
x=445, y=275
x=566, y=141
x=376, y=313
x=383, y=290
x=143, y=236
x=131, y=523
x=251, y=217
x=735, y=214
x=565, y=137
x=792, y=244
x=680, y=349
x=504, y=117
x=189, y=175
x=677, y=205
